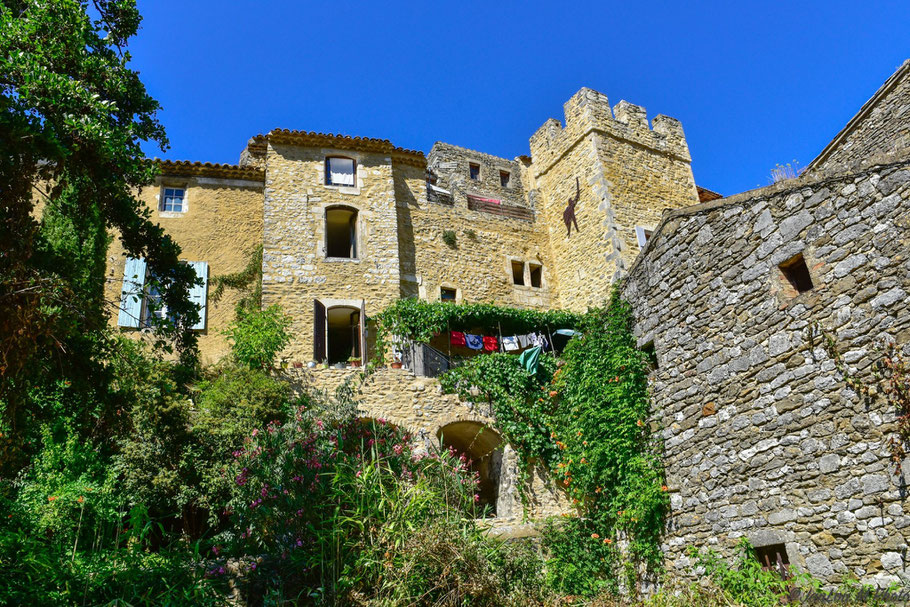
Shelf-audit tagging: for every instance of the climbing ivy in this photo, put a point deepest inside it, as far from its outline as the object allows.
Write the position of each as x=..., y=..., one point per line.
x=587, y=421
x=420, y=321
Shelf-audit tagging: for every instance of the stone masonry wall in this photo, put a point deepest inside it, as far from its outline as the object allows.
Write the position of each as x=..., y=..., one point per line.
x=762, y=437
x=295, y=267
x=628, y=173
x=222, y=225
x=418, y=405
x=479, y=266
x=883, y=130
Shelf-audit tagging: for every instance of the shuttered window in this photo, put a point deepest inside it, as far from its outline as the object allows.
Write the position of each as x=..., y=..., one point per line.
x=140, y=302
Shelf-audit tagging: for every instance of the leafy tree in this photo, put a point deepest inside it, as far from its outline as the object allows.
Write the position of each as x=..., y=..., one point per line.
x=72, y=118
x=258, y=336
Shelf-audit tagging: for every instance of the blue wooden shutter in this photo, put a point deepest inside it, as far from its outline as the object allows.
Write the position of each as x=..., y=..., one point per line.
x=198, y=292
x=131, y=295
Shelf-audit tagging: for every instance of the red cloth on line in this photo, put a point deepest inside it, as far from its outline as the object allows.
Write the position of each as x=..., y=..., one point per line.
x=490, y=344
x=457, y=338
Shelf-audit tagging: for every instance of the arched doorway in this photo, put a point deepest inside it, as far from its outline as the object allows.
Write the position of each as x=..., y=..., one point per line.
x=483, y=447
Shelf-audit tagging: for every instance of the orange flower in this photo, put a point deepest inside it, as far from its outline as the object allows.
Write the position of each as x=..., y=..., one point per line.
x=80, y=499
x=595, y=536
x=553, y=393
x=51, y=498
x=607, y=540
x=621, y=512
x=640, y=423
x=664, y=488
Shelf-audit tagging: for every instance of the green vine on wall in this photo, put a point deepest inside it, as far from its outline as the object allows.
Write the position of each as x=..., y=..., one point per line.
x=420, y=321
x=587, y=422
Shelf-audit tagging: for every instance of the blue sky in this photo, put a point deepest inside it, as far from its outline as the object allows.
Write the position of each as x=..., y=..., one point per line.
x=754, y=84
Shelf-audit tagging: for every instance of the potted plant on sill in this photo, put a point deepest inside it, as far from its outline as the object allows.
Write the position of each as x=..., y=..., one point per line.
x=396, y=364
x=354, y=361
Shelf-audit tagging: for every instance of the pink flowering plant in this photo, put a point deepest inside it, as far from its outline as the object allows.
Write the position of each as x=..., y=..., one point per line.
x=323, y=503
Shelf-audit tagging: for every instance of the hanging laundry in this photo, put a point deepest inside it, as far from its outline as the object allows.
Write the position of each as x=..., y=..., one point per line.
x=524, y=341
x=490, y=344
x=510, y=344
x=475, y=342
x=543, y=342
x=530, y=359
x=457, y=338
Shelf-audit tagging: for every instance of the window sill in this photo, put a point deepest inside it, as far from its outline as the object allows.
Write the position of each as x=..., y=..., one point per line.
x=171, y=214
x=344, y=189
x=342, y=259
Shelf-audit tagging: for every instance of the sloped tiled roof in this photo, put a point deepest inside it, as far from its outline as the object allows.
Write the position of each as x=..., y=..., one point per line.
x=210, y=169
x=342, y=142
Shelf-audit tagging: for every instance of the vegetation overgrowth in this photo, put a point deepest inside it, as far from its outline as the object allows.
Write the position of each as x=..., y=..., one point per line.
x=585, y=419
x=132, y=477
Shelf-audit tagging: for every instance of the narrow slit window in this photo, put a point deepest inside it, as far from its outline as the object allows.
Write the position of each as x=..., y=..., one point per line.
x=447, y=294
x=340, y=171
x=650, y=355
x=504, y=178
x=474, y=170
x=536, y=275
x=797, y=273
x=518, y=273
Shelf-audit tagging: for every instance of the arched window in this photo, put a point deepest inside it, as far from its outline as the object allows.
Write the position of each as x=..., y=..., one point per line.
x=341, y=232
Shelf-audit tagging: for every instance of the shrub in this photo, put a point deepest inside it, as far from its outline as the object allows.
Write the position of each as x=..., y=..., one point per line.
x=448, y=237
x=258, y=336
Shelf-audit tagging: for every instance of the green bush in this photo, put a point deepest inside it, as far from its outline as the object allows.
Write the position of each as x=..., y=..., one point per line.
x=258, y=336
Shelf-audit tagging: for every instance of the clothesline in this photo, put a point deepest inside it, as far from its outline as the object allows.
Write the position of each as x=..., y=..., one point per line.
x=489, y=343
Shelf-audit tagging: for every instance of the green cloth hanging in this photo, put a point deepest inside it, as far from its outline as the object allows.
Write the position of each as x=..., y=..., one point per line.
x=530, y=359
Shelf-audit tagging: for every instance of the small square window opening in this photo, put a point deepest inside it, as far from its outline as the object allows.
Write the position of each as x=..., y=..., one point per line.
x=504, y=178
x=518, y=273
x=474, y=171
x=536, y=275
x=650, y=355
x=172, y=201
x=340, y=171
x=446, y=294
x=797, y=273
x=774, y=557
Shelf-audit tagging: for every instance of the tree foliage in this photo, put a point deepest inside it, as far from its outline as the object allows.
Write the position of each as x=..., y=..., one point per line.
x=73, y=116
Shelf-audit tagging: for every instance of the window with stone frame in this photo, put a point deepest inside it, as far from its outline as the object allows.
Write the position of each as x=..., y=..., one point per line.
x=474, y=171
x=518, y=273
x=341, y=232
x=340, y=171
x=536, y=275
x=448, y=294
x=505, y=178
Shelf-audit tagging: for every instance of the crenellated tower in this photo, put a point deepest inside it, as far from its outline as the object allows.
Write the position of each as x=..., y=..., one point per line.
x=627, y=173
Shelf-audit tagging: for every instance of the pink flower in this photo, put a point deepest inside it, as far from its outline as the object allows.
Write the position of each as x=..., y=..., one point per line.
x=398, y=449
x=255, y=431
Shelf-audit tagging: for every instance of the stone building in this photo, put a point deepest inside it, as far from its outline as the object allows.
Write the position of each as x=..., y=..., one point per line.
x=763, y=439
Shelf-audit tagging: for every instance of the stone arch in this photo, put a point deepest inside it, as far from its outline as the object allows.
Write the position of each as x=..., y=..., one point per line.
x=483, y=447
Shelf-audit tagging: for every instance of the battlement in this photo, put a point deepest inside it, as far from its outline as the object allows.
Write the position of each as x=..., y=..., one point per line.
x=589, y=111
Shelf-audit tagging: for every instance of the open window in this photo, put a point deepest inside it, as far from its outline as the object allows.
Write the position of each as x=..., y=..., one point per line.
x=141, y=303
x=338, y=331
x=340, y=171
x=447, y=294
x=643, y=235
x=797, y=273
x=504, y=178
x=536, y=275
x=774, y=557
x=341, y=232
x=518, y=273
x=474, y=171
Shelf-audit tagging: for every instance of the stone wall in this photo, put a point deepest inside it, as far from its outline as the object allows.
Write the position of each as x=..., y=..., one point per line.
x=880, y=128
x=222, y=225
x=763, y=439
x=627, y=174
x=418, y=405
x=479, y=266
x=296, y=269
